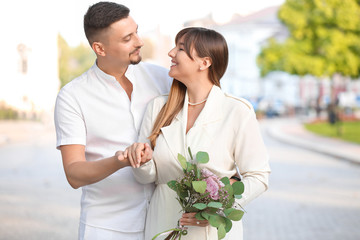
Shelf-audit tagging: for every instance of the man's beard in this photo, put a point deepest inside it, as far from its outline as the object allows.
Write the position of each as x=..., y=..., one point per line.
x=134, y=62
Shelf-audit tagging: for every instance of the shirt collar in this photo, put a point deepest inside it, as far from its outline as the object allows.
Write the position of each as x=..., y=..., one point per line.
x=129, y=73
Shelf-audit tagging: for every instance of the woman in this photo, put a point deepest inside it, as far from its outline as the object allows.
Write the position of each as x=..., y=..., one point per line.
x=197, y=114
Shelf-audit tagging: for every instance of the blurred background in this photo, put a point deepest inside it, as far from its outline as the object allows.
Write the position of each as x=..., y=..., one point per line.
x=296, y=61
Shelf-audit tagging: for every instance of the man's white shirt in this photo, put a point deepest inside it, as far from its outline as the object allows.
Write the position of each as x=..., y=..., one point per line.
x=95, y=111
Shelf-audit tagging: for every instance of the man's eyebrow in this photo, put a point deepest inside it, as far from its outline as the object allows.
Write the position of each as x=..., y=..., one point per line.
x=137, y=27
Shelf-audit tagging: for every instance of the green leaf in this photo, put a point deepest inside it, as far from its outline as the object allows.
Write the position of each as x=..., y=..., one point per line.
x=205, y=215
x=238, y=196
x=189, y=166
x=198, y=173
x=215, y=204
x=182, y=193
x=200, y=206
x=238, y=188
x=182, y=161
x=236, y=215
x=221, y=231
x=225, y=180
x=198, y=216
x=191, y=209
x=199, y=186
x=190, y=153
x=173, y=185
x=212, y=211
x=229, y=189
x=228, y=211
x=215, y=220
x=228, y=225
x=202, y=157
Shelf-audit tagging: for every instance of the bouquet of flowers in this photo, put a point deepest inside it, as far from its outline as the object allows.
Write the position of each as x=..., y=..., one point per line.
x=201, y=191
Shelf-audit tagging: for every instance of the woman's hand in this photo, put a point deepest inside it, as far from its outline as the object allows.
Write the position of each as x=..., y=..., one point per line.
x=138, y=154
x=188, y=219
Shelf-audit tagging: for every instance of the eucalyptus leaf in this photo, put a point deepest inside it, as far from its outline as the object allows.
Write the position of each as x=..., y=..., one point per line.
x=216, y=220
x=215, y=204
x=189, y=166
x=229, y=189
x=212, y=211
x=236, y=215
x=221, y=231
x=225, y=180
x=199, y=186
x=228, y=225
x=238, y=196
x=182, y=161
x=200, y=206
x=198, y=216
x=205, y=215
x=202, y=157
x=172, y=185
x=228, y=211
x=238, y=188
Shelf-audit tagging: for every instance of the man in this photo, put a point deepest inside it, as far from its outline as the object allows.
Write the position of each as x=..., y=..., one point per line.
x=98, y=114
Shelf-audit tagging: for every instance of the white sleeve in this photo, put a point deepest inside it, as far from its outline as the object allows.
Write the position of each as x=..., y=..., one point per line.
x=147, y=172
x=69, y=122
x=252, y=158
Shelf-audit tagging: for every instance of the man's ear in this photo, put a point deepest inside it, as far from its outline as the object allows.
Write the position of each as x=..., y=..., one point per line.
x=98, y=48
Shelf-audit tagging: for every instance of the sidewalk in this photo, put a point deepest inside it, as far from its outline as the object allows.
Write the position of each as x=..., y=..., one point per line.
x=23, y=131
x=290, y=130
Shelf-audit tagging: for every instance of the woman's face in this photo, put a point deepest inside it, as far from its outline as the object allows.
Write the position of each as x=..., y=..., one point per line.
x=182, y=66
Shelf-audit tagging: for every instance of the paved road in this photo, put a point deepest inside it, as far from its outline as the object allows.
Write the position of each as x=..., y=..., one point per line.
x=311, y=196
x=36, y=203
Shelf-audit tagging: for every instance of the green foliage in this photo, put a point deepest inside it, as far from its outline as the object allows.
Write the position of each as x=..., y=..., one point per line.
x=350, y=131
x=199, y=186
x=324, y=39
x=194, y=195
x=7, y=112
x=73, y=61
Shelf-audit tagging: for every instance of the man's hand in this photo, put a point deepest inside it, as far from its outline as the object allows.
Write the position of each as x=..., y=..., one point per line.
x=138, y=154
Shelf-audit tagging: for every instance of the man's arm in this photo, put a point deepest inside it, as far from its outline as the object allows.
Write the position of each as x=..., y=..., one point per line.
x=80, y=172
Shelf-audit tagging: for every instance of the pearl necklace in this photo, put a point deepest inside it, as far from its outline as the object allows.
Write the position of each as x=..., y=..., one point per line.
x=194, y=104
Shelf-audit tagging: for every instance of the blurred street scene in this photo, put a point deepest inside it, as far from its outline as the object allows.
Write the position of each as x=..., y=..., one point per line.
x=297, y=62
x=312, y=195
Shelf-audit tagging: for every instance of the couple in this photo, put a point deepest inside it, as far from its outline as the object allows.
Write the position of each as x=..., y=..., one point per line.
x=104, y=111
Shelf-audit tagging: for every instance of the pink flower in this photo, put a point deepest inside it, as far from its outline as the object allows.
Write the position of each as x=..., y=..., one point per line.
x=213, y=183
x=212, y=187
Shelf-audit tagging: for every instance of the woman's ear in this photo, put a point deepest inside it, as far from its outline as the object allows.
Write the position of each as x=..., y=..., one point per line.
x=98, y=48
x=205, y=63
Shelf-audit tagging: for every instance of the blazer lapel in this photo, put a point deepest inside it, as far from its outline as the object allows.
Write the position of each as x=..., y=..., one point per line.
x=202, y=133
x=174, y=134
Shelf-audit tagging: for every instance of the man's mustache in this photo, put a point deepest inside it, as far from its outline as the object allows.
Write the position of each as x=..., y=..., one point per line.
x=135, y=50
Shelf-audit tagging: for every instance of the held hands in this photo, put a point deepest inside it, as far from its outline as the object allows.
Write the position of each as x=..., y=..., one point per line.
x=137, y=154
x=188, y=219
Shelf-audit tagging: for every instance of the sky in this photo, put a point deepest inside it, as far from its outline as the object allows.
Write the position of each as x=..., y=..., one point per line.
x=166, y=15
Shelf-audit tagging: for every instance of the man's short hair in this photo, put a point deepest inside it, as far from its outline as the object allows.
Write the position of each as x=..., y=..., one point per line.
x=100, y=16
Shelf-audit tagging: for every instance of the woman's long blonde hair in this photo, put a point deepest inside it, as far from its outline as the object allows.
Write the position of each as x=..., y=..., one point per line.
x=206, y=43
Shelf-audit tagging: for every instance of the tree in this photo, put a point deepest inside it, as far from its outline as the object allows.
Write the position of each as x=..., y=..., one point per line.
x=324, y=39
x=73, y=61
